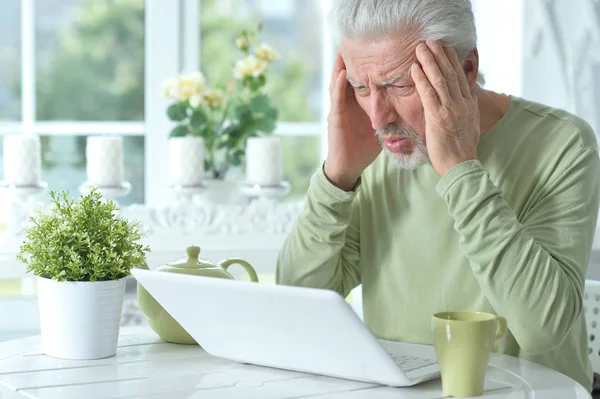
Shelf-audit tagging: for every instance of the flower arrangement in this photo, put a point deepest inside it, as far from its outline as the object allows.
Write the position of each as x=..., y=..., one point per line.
x=81, y=240
x=225, y=117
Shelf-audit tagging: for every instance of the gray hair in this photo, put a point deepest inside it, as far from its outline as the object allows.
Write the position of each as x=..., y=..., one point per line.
x=451, y=21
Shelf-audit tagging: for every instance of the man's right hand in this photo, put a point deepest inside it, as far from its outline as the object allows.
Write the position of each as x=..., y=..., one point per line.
x=352, y=143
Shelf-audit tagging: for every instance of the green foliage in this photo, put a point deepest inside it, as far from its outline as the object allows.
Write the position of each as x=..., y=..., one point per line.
x=287, y=86
x=177, y=112
x=226, y=118
x=97, y=71
x=82, y=240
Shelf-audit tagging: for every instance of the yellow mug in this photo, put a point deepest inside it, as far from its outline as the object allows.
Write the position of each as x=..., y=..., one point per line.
x=463, y=342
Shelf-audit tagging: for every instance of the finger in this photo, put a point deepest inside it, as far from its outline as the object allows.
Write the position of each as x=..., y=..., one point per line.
x=433, y=73
x=463, y=84
x=338, y=65
x=446, y=67
x=338, y=94
x=426, y=91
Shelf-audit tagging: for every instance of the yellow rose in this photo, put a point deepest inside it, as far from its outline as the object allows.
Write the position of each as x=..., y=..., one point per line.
x=191, y=85
x=250, y=66
x=267, y=53
x=214, y=98
x=183, y=87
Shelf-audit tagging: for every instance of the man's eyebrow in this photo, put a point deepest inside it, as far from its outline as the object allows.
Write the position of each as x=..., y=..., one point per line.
x=388, y=82
x=353, y=82
x=394, y=78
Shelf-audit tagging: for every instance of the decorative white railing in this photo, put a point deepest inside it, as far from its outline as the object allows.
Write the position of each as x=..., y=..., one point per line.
x=253, y=231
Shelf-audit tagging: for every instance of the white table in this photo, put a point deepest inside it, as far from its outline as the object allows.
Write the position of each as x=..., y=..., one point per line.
x=147, y=367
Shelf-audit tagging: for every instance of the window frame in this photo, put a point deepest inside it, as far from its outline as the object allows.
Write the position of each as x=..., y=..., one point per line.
x=166, y=23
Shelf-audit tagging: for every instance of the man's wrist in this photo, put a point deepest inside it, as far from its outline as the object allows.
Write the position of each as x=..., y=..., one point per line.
x=458, y=173
x=451, y=164
x=342, y=181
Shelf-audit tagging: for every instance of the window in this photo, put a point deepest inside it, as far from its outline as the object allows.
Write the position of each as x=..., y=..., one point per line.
x=10, y=61
x=74, y=68
x=501, y=59
x=70, y=69
x=89, y=60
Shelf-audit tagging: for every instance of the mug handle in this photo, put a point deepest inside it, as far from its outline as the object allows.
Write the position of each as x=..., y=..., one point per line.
x=501, y=327
x=249, y=269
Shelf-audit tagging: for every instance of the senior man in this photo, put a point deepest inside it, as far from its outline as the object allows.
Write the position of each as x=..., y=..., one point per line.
x=437, y=194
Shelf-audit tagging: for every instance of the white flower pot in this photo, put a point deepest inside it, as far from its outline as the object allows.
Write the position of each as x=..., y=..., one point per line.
x=80, y=320
x=185, y=161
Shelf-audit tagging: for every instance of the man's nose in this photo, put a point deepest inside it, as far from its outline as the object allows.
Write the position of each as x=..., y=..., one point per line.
x=382, y=112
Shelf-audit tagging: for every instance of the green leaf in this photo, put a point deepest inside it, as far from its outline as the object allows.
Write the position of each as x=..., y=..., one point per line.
x=261, y=81
x=272, y=113
x=245, y=81
x=243, y=114
x=264, y=124
x=208, y=134
x=177, y=112
x=232, y=130
x=198, y=119
x=237, y=158
x=229, y=134
x=179, y=131
x=260, y=104
x=82, y=239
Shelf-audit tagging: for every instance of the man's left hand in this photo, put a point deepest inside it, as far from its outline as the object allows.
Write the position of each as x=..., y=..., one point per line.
x=452, y=128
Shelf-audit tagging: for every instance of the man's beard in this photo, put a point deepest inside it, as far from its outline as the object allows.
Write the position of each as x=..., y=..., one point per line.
x=418, y=154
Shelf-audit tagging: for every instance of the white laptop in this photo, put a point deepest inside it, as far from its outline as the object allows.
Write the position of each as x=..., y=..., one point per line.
x=293, y=328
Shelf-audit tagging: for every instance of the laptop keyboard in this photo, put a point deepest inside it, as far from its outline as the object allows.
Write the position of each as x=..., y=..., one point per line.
x=410, y=363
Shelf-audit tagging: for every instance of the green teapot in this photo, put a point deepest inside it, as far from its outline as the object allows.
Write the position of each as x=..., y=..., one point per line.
x=158, y=318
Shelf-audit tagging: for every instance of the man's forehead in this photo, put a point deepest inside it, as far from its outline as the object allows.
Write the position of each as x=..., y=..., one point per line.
x=384, y=64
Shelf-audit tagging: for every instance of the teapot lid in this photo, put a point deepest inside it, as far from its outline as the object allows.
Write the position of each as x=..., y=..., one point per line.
x=192, y=261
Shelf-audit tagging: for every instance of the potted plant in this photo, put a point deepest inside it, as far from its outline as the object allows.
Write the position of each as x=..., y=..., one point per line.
x=81, y=252
x=212, y=124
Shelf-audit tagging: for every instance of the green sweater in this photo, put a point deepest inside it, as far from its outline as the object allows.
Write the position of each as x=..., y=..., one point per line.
x=510, y=234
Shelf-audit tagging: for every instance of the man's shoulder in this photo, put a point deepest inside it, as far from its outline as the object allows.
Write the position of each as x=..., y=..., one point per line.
x=551, y=124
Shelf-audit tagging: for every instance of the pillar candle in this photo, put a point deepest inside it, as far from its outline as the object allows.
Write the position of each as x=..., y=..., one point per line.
x=185, y=157
x=22, y=159
x=264, y=165
x=104, y=156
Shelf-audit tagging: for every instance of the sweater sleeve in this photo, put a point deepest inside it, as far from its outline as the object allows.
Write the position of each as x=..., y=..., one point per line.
x=323, y=250
x=531, y=270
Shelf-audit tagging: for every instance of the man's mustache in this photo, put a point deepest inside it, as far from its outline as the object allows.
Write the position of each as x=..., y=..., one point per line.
x=396, y=130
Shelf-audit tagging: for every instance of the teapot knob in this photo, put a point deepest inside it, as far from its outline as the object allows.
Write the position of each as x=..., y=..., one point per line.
x=193, y=252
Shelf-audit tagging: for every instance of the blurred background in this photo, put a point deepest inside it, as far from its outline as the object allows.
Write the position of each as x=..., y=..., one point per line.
x=87, y=75
x=69, y=68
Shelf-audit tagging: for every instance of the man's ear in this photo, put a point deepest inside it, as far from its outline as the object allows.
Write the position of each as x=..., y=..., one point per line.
x=471, y=67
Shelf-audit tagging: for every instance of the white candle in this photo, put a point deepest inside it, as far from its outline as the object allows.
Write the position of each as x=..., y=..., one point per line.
x=104, y=161
x=264, y=164
x=22, y=159
x=185, y=157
